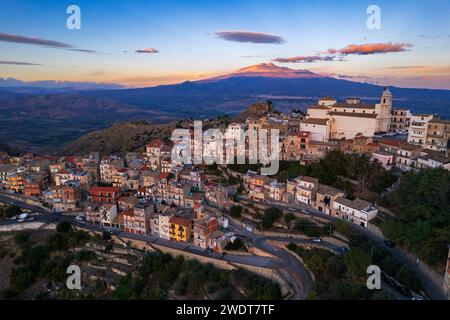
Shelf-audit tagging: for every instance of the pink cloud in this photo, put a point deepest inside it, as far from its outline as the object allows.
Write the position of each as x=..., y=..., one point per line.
x=371, y=48
x=147, y=50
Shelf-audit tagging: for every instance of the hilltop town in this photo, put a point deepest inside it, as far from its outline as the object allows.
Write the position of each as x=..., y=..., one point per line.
x=146, y=193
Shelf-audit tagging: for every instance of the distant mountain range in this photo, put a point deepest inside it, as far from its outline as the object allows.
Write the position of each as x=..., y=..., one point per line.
x=50, y=86
x=54, y=119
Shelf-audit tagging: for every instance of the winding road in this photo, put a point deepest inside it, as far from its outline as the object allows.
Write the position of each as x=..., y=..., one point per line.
x=431, y=283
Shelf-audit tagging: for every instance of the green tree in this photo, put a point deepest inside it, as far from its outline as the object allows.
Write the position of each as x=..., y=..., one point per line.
x=236, y=211
x=63, y=227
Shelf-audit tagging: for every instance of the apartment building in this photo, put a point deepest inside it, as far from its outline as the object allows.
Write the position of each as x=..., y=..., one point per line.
x=438, y=135
x=105, y=194
x=276, y=191
x=406, y=157
x=15, y=182
x=325, y=198
x=400, y=120
x=418, y=128
x=109, y=167
x=385, y=158
x=306, y=189
x=180, y=229
x=320, y=129
x=66, y=197
x=137, y=219
x=358, y=144
x=202, y=231
x=294, y=146
x=356, y=211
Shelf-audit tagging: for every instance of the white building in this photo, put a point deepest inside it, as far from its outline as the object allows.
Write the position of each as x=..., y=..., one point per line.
x=418, y=128
x=356, y=211
x=350, y=118
x=319, y=128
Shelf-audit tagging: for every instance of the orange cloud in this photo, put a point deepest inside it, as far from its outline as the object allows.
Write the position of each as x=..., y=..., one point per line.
x=304, y=59
x=371, y=48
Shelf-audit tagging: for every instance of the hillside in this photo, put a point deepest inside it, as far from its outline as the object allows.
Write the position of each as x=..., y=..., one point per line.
x=51, y=120
x=133, y=136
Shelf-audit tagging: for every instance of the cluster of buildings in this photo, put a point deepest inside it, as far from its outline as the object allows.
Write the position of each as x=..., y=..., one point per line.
x=308, y=191
x=135, y=191
x=141, y=193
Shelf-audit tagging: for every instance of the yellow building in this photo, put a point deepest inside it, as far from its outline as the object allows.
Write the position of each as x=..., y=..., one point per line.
x=15, y=182
x=180, y=229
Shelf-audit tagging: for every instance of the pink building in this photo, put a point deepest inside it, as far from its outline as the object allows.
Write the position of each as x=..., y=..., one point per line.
x=385, y=158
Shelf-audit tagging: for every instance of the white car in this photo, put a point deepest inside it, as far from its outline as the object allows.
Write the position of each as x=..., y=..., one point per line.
x=13, y=218
x=23, y=216
x=318, y=240
x=79, y=218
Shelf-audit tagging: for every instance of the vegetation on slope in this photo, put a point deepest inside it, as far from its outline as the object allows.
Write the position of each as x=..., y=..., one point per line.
x=421, y=204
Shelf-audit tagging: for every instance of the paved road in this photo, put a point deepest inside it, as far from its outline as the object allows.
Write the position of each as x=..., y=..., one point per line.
x=432, y=287
x=283, y=266
x=297, y=275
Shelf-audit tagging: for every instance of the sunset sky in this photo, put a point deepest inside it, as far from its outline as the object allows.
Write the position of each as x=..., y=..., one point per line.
x=146, y=43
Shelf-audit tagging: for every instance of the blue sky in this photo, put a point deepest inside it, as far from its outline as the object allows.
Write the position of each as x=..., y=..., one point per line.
x=185, y=34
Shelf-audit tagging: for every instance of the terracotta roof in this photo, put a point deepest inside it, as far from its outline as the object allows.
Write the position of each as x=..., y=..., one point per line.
x=180, y=221
x=357, y=204
x=391, y=142
x=322, y=122
x=438, y=120
x=328, y=98
x=311, y=180
x=105, y=189
x=354, y=106
x=303, y=134
x=409, y=147
x=324, y=189
x=353, y=114
x=163, y=175
x=129, y=213
x=436, y=156
x=320, y=107
x=155, y=144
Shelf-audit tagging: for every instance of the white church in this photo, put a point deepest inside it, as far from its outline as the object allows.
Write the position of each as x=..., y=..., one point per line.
x=332, y=120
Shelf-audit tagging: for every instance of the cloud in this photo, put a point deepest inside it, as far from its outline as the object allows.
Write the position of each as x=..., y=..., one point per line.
x=371, y=48
x=83, y=50
x=430, y=36
x=249, y=36
x=6, y=37
x=307, y=59
x=403, y=67
x=14, y=38
x=19, y=63
x=147, y=50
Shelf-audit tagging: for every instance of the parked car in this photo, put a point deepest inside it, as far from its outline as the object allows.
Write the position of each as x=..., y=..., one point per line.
x=13, y=218
x=23, y=216
x=318, y=240
x=291, y=209
x=79, y=218
x=389, y=243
